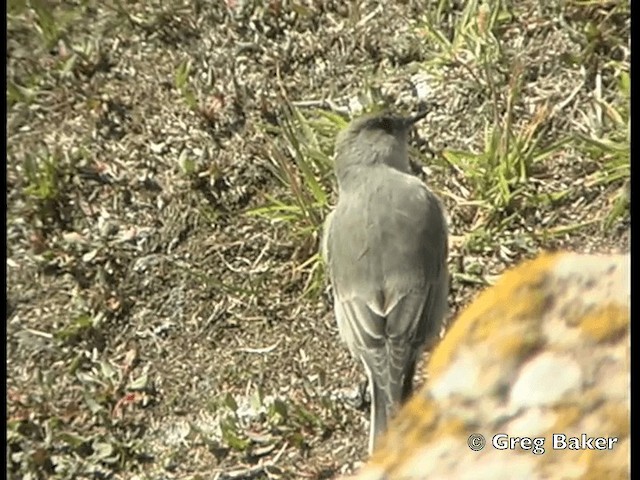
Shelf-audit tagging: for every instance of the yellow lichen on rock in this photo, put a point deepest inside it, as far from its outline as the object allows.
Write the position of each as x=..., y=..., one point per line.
x=539, y=366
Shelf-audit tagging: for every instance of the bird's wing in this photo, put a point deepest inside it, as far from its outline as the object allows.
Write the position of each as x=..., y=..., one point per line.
x=364, y=333
x=387, y=359
x=390, y=344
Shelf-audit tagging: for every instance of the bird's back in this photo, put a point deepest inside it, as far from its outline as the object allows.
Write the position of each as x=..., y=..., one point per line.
x=388, y=235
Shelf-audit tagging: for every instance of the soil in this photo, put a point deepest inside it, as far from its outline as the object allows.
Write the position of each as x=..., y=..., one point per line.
x=157, y=330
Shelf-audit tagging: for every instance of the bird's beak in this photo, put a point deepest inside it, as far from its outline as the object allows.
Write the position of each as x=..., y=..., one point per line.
x=410, y=121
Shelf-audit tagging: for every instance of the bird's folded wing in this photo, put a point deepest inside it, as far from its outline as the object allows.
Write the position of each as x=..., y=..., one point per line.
x=387, y=345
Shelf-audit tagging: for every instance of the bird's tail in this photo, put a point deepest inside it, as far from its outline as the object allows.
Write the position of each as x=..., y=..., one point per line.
x=380, y=412
x=387, y=393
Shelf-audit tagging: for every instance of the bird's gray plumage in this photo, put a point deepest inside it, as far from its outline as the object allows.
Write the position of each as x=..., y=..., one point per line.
x=385, y=245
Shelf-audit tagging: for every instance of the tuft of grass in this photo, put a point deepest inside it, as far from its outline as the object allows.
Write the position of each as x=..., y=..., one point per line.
x=612, y=149
x=604, y=136
x=43, y=176
x=499, y=174
x=62, y=50
x=50, y=27
x=17, y=93
x=182, y=74
x=44, y=183
x=299, y=156
x=50, y=21
x=47, y=182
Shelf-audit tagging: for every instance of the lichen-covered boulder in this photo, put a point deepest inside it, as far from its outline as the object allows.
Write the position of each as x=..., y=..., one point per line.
x=538, y=365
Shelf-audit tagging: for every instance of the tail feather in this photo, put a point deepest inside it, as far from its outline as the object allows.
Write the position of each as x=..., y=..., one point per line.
x=380, y=413
x=389, y=389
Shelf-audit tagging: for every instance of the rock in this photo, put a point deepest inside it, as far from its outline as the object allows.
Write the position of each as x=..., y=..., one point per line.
x=539, y=366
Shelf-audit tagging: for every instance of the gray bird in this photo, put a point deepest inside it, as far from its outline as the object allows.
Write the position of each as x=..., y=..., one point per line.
x=386, y=247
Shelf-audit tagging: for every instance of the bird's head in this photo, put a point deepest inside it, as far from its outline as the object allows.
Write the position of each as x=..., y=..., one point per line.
x=373, y=139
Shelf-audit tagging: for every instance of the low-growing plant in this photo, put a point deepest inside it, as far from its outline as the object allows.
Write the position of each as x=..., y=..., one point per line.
x=300, y=159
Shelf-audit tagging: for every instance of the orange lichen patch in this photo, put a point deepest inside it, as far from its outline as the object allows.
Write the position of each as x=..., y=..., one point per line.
x=521, y=345
x=408, y=430
x=451, y=427
x=417, y=414
x=609, y=472
x=606, y=463
x=526, y=302
x=415, y=428
x=567, y=417
x=590, y=397
x=615, y=419
x=607, y=323
x=519, y=294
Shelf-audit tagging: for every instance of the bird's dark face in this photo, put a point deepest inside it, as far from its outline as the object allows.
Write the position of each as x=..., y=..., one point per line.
x=380, y=138
x=383, y=124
